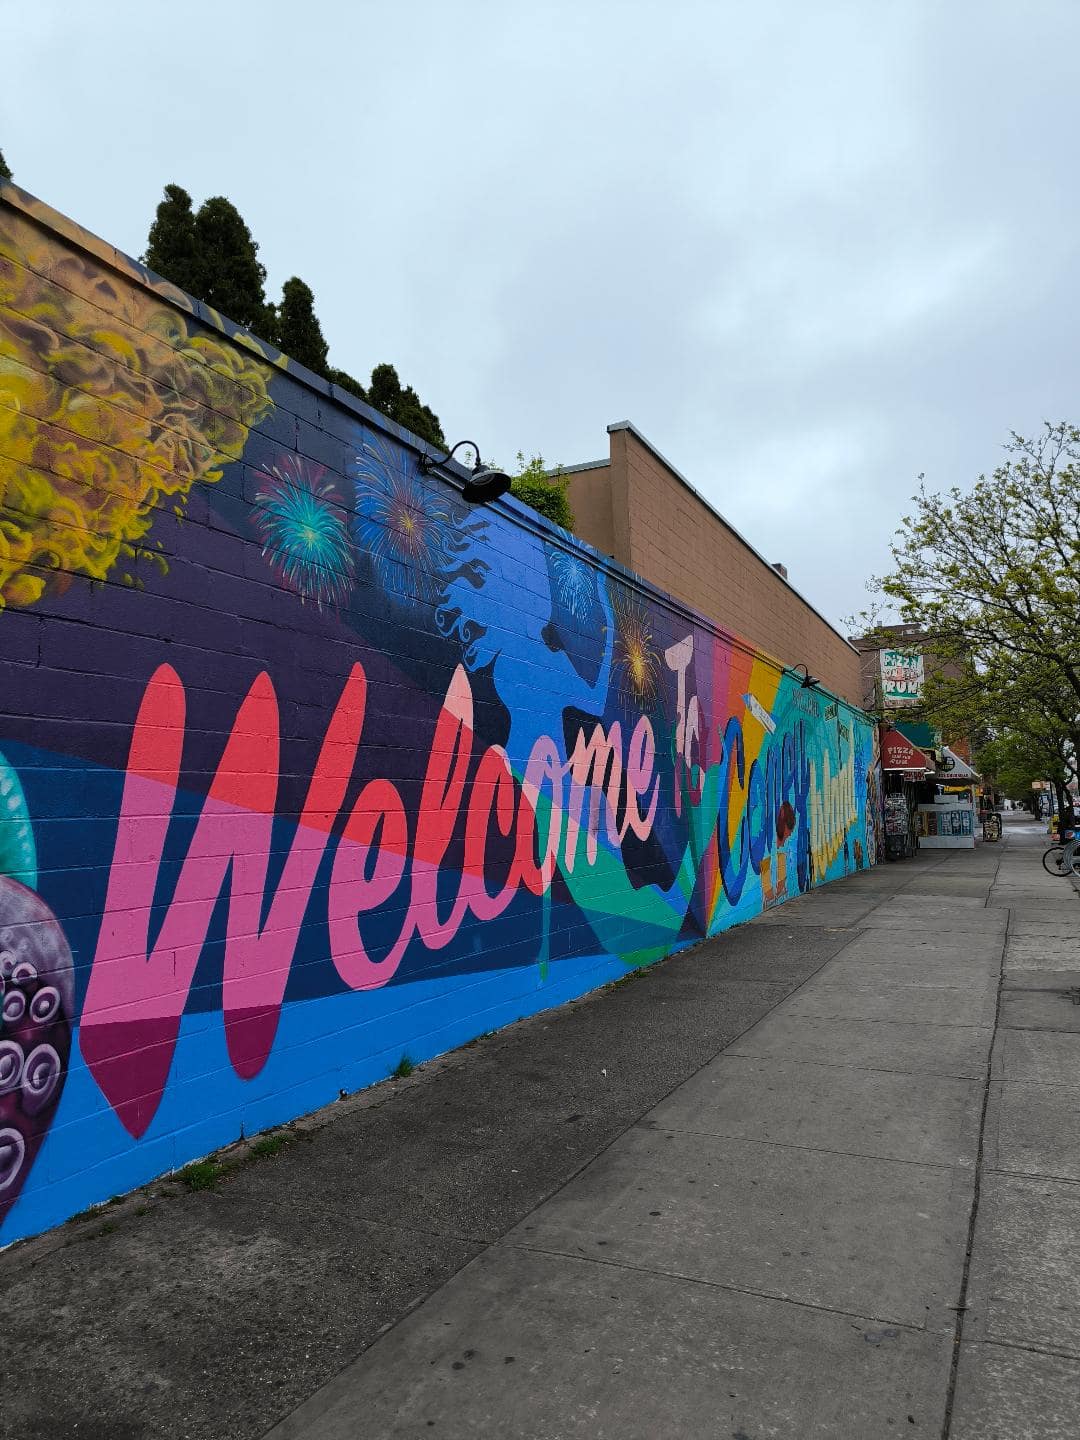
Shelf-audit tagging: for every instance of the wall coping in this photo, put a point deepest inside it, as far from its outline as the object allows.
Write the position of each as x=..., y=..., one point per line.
x=578, y=469
x=47, y=218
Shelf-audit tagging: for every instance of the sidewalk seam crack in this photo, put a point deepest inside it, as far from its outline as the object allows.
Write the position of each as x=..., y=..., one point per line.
x=961, y=1304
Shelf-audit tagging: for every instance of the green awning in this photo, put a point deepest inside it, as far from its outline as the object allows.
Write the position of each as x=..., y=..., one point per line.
x=924, y=736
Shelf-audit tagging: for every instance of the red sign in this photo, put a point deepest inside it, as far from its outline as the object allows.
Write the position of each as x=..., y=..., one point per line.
x=897, y=753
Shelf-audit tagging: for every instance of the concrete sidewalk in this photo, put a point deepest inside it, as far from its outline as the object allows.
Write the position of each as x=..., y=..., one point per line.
x=730, y=1196
x=846, y=1224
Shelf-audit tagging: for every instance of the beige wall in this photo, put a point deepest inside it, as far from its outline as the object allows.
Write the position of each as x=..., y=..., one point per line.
x=590, y=499
x=638, y=510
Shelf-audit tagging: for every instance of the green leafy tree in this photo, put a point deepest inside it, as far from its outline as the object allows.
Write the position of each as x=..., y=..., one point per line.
x=5, y=172
x=170, y=247
x=542, y=490
x=995, y=572
x=1016, y=760
x=299, y=333
x=992, y=576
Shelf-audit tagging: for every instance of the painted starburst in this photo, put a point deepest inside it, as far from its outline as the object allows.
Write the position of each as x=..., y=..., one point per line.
x=301, y=522
x=413, y=531
x=573, y=583
x=636, y=663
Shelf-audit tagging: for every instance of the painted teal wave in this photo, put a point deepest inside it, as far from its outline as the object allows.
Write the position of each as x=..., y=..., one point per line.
x=18, y=855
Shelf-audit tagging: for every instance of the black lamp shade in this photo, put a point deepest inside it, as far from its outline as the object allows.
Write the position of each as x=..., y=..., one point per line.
x=484, y=485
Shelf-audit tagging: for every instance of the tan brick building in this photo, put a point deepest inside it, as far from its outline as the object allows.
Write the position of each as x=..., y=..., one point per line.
x=637, y=508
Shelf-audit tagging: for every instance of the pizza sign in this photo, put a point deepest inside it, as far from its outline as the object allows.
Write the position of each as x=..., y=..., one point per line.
x=901, y=676
x=898, y=753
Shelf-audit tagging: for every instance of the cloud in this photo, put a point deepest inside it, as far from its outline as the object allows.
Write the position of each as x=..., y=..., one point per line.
x=810, y=251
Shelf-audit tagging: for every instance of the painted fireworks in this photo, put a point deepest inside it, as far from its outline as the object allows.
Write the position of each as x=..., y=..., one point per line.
x=411, y=531
x=300, y=520
x=573, y=586
x=636, y=663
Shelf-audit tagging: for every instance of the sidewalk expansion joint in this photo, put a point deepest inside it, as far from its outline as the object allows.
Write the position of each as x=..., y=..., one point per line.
x=847, y=1065
x=776, y=1296
x=1033, y=1175
x=813, y=1149
x=965, y=1280
x=1028, y=1347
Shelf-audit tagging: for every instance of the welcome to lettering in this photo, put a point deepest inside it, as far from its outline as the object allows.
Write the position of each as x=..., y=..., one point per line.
x=137, y=994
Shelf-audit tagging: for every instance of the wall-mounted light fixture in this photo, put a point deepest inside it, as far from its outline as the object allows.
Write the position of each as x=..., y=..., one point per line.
x=808, y=681
x=484, y=483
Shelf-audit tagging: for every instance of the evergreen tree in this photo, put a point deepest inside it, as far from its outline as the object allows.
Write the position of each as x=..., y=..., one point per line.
x=231, y=274
x=299, y=333
x=5, y=172
x=211, y=254
x=170, y=246
x=345, y=381
x=384, y=392
x=419, y=418
x=403, y=405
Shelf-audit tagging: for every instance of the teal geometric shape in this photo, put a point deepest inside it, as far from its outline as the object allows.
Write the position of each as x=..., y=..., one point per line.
x=18, y=854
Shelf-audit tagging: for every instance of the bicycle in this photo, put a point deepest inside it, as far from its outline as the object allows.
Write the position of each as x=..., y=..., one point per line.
x=1062, y=860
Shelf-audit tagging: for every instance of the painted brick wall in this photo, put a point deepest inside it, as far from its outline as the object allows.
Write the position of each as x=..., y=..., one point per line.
x=637, y=509
x=306, y=766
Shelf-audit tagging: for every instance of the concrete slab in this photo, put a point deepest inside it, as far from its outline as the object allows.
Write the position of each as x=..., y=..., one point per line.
x=922, y=945
x=1044, y=929
x=1040, y=1057
x=1007, y=1394
x=1039, y=1010
x=825, y=919
x=1032, y=1129
x=922, y=1118
x=975, y=921
x=959, y=1050
x=928, y=970
x=946, y=883
x=1057, y=906
x=1057, y=912
x=780, y=956
x=944, y=906
x=192, y=1313
x=523, y=1346
x=1043, y=952
x=1059, y=980
x=874, y=1237
x=1025, y=1272
x=974, y=1004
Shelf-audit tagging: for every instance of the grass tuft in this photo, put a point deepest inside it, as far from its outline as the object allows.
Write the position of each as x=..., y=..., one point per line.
x=269, y=1145
x=403, y=1068
x=639, y=973
x=203, y=1175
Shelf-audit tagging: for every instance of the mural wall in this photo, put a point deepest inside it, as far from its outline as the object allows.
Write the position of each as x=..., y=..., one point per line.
x=305, y=764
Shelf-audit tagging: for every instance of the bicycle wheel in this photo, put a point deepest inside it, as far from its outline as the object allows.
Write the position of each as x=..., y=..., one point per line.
x=1053, y=860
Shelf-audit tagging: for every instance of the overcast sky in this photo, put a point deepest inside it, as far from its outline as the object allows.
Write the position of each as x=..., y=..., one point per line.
x=808, y=249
